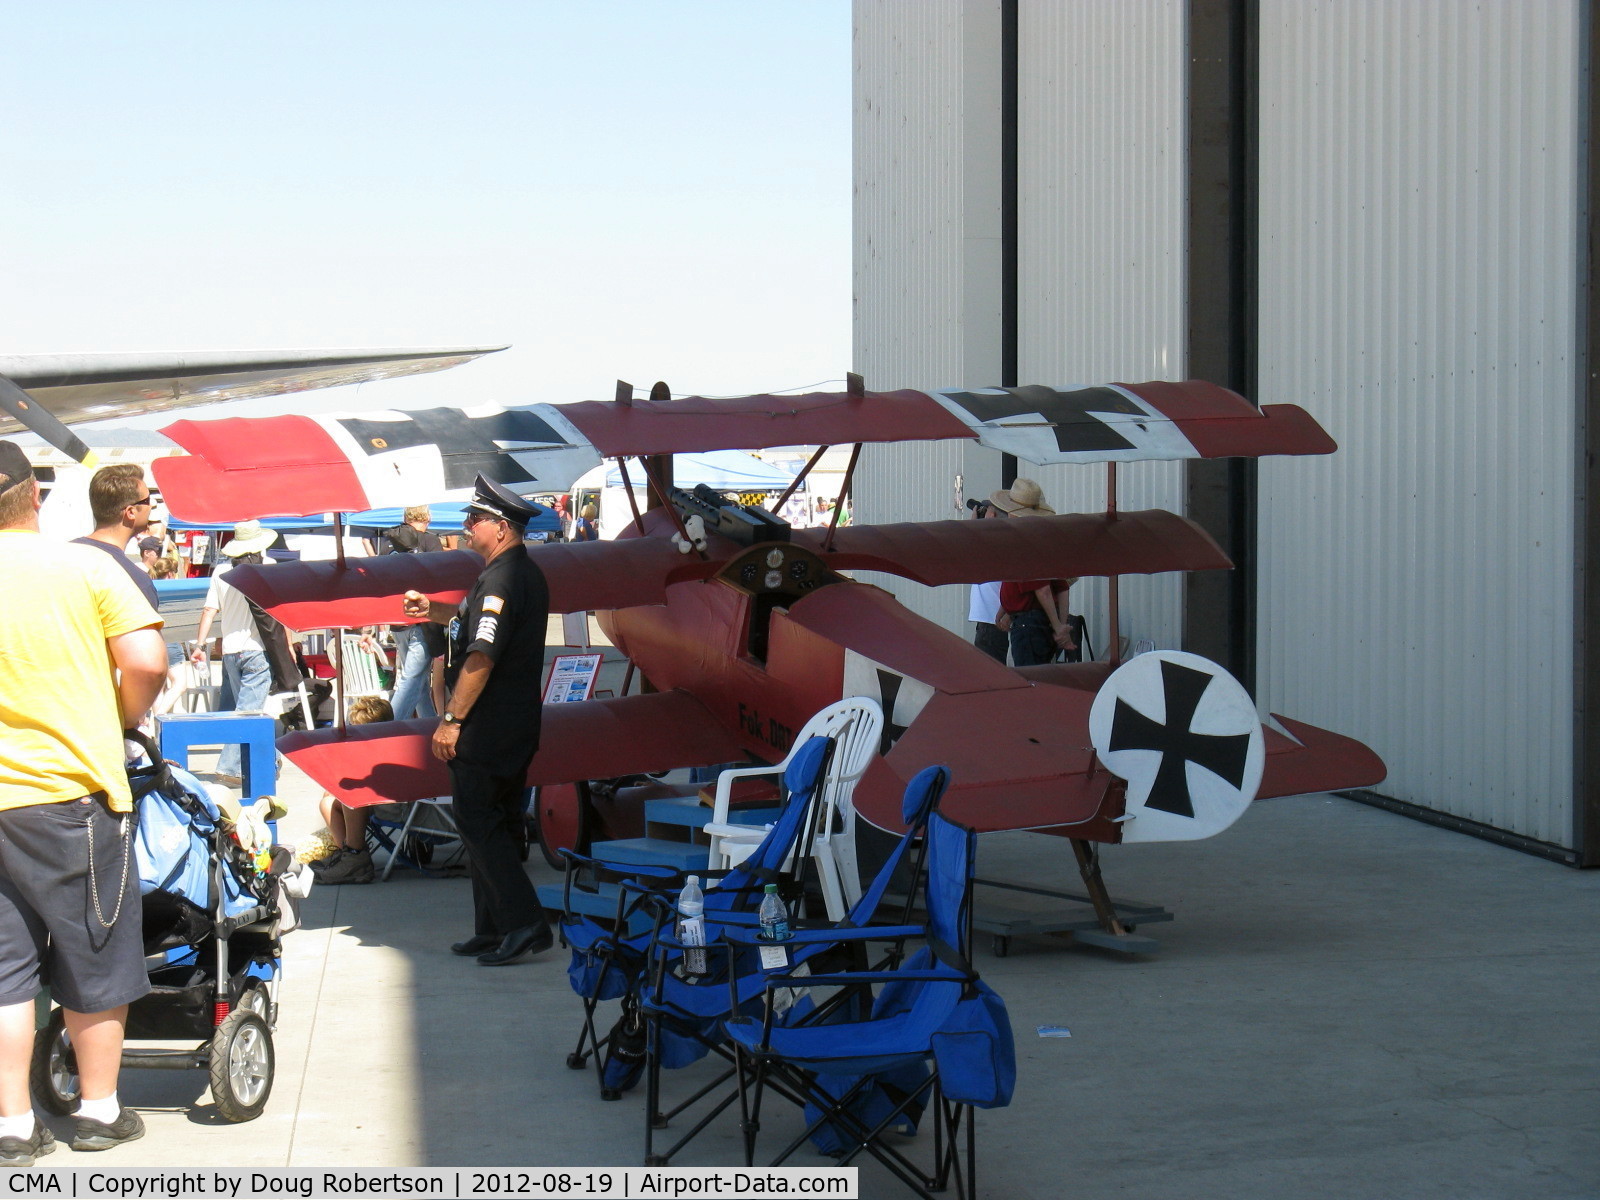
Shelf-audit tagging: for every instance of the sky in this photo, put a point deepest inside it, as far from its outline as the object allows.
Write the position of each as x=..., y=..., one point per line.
x=616, y=188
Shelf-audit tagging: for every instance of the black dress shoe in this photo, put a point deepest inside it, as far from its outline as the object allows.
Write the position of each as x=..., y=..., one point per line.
x=476, y=945
x=530, y=939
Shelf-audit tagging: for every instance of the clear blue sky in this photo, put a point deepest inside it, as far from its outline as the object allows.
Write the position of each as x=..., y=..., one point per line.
x=617, y=188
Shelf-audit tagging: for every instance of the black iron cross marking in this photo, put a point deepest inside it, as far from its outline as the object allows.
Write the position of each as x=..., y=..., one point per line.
x=1222, y=754
x=889, y=689
x=1072, y=414
x=467, y=445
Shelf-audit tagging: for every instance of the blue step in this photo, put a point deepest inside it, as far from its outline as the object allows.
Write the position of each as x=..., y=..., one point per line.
x=682, y=856
x=601, y=904
x=688, y=813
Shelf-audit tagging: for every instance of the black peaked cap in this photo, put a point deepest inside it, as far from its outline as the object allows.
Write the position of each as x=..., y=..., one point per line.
x=500, y=501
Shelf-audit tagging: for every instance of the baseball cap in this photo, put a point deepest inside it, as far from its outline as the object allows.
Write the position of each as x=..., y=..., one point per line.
x=14, y=465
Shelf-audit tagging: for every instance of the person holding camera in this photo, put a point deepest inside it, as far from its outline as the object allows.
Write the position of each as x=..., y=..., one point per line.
x=984, y=602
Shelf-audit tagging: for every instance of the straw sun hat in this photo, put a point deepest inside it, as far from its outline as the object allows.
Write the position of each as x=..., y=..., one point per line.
x=1024, y=498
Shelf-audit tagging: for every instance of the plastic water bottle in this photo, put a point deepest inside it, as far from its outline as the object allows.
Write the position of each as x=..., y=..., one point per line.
x=692, y=926
x=774, y=916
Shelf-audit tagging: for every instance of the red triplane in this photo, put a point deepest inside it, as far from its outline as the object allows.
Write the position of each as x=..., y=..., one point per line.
x=745, y=631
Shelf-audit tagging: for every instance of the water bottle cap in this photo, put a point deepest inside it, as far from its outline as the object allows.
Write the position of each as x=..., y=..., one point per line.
x=694, y=881
x=772, y=887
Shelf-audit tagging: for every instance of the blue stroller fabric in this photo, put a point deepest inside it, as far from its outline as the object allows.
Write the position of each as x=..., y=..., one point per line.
x=177, y=837
x=178, y=824
x=171, y=839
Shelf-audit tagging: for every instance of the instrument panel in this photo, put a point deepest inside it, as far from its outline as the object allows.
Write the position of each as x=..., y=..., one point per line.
x=777, y=570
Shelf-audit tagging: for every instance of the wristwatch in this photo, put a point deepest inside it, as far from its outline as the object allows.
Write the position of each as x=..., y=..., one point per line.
x=450, y=718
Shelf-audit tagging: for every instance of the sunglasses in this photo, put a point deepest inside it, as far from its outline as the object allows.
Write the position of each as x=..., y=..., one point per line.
x=472, y=518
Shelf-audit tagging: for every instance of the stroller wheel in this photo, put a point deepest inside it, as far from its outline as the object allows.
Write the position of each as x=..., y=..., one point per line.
x=258, y=1000
x=241, y=1065
x=54, y=1072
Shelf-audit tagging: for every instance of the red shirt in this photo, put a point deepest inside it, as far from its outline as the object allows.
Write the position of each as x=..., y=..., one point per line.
x=1019, y=597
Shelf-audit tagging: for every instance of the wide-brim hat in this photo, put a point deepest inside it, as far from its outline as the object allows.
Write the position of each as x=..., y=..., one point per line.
x=249, y=537
x=1022, y=498
x=498, y=501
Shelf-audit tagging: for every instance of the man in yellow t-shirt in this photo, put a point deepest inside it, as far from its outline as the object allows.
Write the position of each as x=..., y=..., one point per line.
x=81, y=658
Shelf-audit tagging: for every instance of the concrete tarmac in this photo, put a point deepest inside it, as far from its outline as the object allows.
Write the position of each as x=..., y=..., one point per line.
x=1348, y=1005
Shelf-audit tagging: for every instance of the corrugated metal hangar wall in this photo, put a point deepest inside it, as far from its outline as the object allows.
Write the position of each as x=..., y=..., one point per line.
x=1408, y=213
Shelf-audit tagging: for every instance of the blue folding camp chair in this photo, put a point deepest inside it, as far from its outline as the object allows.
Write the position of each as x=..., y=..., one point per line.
x=686, y=1015
x=613, y=913
x=932, y=1012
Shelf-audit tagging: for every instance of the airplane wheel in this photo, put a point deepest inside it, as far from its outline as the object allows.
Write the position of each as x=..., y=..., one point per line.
x=55, y=1068
x=1001, y=946
x=565, y=819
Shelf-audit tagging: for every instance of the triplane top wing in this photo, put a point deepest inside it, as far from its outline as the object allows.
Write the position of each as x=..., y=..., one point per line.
x=295, y=465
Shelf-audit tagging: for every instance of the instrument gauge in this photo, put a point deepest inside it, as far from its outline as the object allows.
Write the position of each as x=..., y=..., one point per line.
x=774, y=579
x=774, y=558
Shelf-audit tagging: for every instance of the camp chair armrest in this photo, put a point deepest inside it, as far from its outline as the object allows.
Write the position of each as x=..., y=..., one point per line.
x=829, y=978
x=833, y=933
x=646, y=870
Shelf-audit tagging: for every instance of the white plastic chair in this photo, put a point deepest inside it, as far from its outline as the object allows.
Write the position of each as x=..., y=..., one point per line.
x=278, y=703
x=192, y=687
x=856, y=725
x=360, y=669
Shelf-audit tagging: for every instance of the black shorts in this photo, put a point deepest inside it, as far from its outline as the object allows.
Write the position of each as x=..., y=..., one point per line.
x=85, y=942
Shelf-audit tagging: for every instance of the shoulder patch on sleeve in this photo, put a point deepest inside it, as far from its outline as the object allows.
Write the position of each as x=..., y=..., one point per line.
x=493, y=604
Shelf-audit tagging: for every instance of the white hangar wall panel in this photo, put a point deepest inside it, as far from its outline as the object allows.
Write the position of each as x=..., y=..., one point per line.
x=1101, y=148
x=1418, y=256
x=927, y=245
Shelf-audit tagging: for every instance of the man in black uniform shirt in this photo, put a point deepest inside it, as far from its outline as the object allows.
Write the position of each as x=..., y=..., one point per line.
x=490, y=727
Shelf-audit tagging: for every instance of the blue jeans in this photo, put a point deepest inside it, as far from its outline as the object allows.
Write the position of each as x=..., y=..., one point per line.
x=413, y=695
x=1033, y=642
x=250, y=679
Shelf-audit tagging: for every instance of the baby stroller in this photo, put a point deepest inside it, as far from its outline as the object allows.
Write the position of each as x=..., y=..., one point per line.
x=211, y=921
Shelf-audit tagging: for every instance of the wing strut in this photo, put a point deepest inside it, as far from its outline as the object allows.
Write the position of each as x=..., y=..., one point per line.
x=1113, y=614
x=672, y=509
x=800, y=478
x=627, y=486
x=844, y=489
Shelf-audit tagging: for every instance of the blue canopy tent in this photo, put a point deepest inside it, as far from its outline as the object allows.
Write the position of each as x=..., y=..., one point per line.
x=446, y=518
x=720, y=470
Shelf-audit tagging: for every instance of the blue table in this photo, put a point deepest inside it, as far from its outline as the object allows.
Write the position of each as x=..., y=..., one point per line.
x=178, y=733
